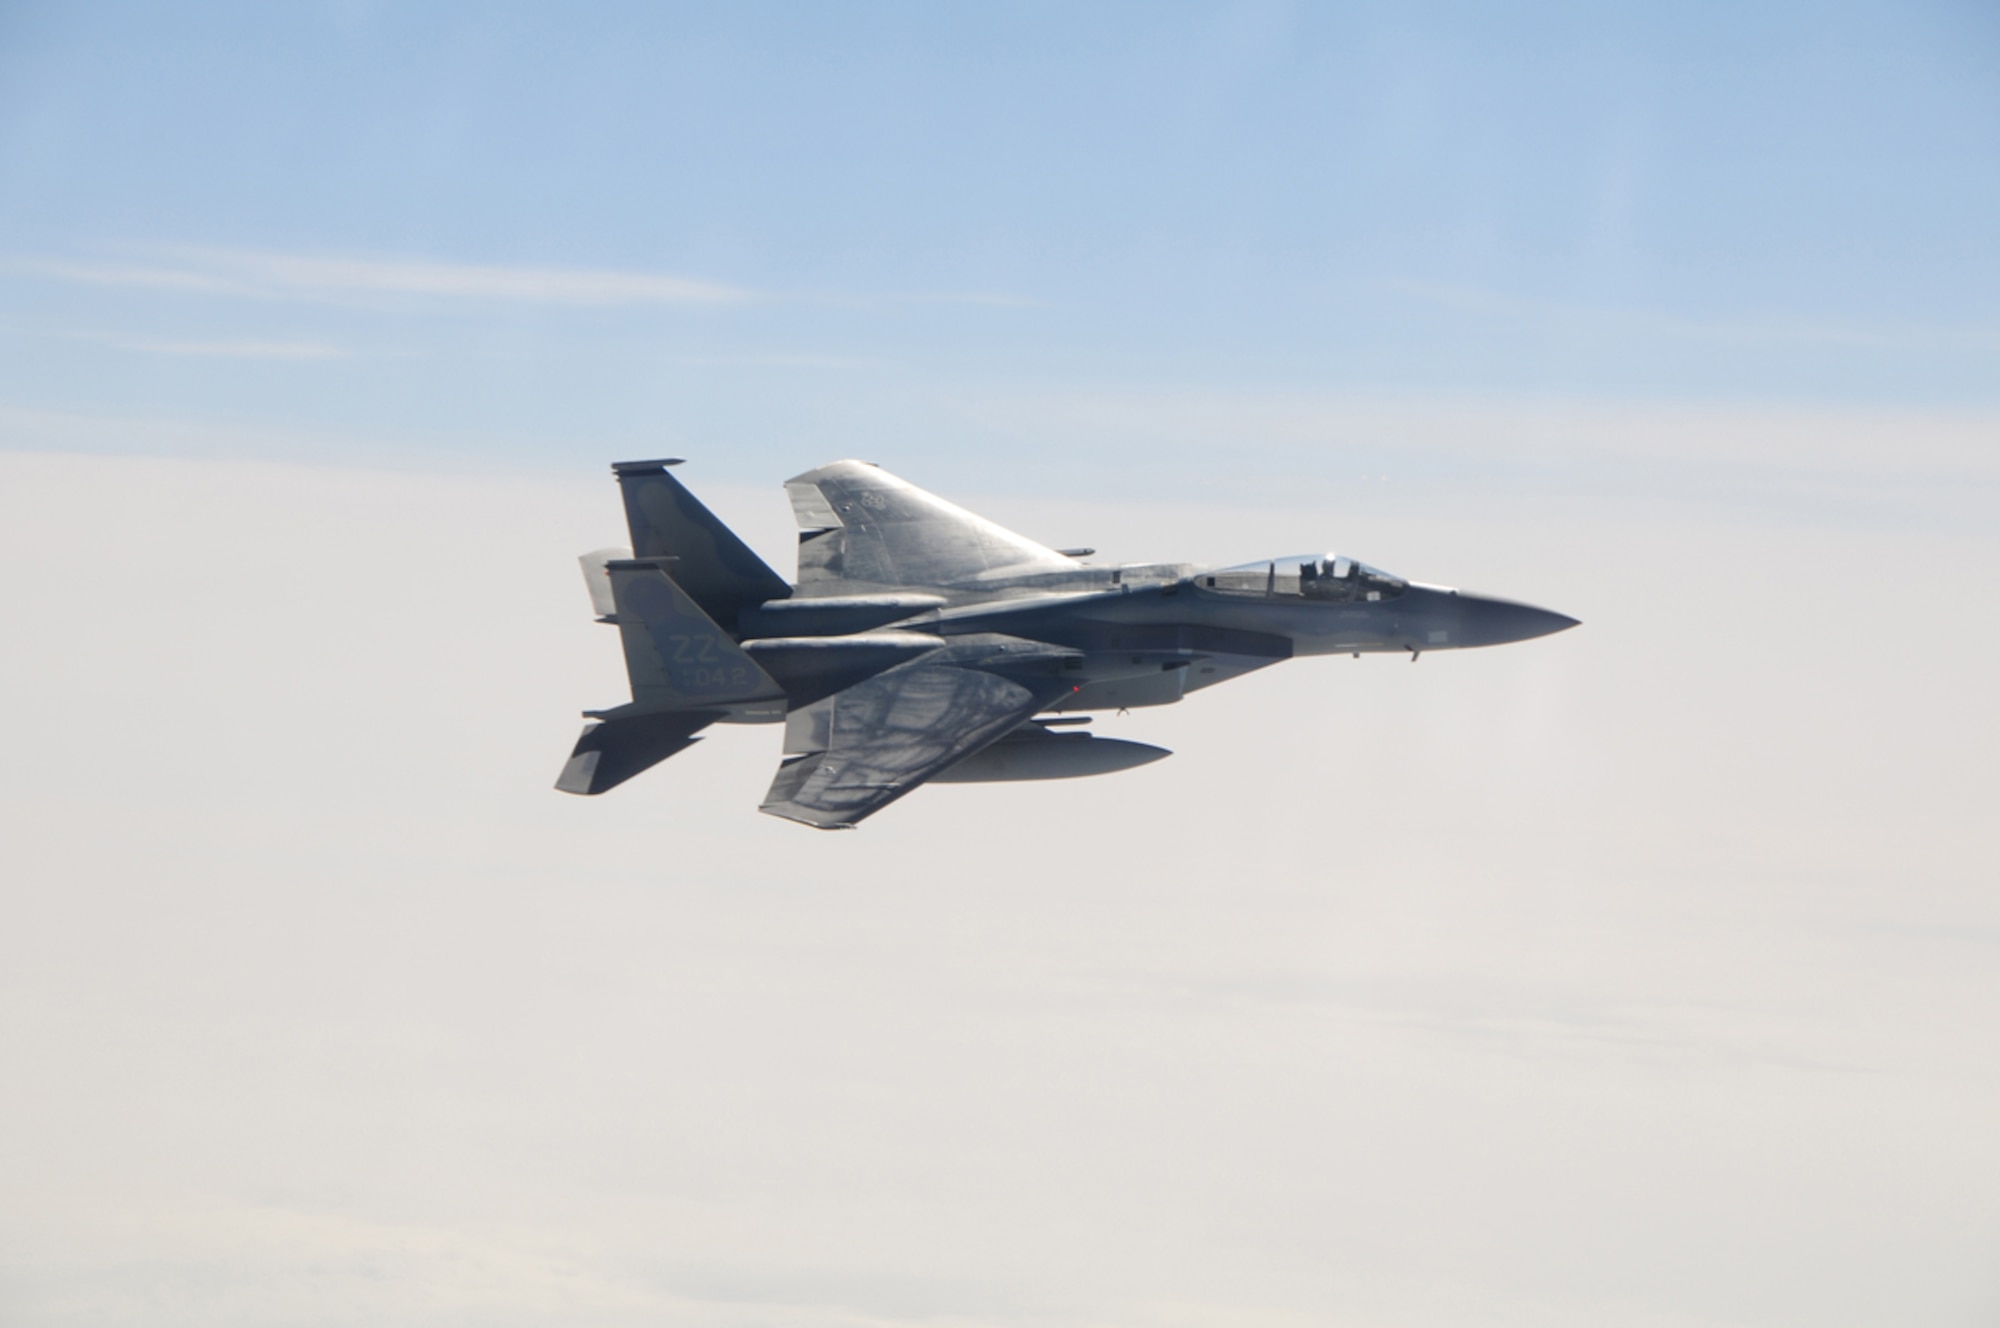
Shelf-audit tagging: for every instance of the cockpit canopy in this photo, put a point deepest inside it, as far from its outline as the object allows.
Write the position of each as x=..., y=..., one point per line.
x=1316, y=576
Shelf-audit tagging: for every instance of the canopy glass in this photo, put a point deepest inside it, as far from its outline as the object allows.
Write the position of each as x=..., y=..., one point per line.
x=1317, y=576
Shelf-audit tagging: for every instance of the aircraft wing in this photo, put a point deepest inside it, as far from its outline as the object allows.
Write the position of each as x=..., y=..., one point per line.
x=859, y=523
x=867, y=746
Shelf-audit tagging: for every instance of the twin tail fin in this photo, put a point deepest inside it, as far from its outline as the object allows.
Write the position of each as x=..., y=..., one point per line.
x=686, y=673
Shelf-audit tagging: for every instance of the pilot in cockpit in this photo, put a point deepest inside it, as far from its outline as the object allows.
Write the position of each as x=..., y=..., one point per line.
x=1330, y=578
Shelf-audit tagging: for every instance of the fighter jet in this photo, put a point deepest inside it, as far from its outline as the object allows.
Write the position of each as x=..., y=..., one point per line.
x=922, y=643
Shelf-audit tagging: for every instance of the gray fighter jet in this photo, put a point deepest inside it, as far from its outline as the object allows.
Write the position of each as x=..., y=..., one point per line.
x=924, y=643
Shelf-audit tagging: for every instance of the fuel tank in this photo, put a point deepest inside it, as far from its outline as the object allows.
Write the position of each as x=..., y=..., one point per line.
x=1040, y=754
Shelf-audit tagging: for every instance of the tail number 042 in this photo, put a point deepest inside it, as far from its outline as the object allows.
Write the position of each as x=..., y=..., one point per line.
x=695, y=669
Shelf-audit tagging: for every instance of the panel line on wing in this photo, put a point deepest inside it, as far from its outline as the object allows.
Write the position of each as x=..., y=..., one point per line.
x=884, y=737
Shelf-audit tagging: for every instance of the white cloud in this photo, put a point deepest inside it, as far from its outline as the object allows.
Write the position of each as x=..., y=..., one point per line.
x=347, y=279
x=238, y=350
x=356, y=279
x=135, y=275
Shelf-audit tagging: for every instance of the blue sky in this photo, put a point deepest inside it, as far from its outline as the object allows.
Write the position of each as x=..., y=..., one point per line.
x=885, y=217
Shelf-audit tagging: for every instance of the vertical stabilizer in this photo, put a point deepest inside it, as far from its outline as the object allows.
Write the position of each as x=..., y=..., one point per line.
x=716, y=569
x=677, y=656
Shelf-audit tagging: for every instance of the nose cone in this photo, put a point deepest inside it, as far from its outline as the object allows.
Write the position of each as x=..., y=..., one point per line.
x=1486, y=621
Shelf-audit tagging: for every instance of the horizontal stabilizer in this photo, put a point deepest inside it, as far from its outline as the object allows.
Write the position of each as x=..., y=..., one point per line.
x=611, y=752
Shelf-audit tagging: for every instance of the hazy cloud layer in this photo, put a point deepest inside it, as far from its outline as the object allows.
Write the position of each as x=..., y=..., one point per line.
x=1846, y=464
x=1644, y=975
x=1341, y=453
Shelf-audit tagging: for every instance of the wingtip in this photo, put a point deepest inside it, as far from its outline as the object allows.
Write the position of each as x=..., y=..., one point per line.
x=791, y=811
x=845, y=466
